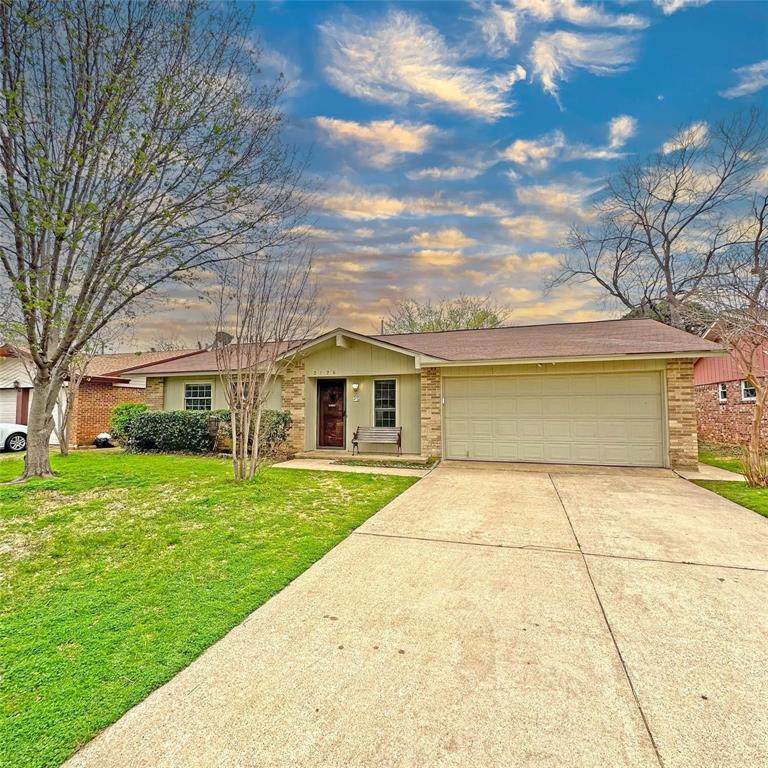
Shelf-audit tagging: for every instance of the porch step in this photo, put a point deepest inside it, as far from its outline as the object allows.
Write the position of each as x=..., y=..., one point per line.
x=406, y=458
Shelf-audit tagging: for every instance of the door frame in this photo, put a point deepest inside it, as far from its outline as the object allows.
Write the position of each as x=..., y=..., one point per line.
x=343, y=382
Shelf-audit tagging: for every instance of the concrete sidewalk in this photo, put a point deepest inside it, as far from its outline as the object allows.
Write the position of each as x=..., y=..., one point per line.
x=491, y=618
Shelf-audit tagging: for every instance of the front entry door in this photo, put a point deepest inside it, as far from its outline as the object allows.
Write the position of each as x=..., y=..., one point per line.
x=330, y=410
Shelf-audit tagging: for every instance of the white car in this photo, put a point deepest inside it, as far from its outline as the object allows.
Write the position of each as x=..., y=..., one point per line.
x=13, y=437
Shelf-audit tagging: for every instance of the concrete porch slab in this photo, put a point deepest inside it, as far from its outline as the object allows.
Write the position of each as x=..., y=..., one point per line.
x=324, y=465
x=330, y=455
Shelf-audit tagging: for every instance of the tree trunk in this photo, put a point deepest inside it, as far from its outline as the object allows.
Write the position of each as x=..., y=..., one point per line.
x=37, y=462
x=755, y=468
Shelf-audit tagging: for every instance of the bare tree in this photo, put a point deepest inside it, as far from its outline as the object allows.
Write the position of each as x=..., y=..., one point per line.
x=266, y=308
x=138, y=144
x=412, y=316
x=739, y=297
x=665, y=225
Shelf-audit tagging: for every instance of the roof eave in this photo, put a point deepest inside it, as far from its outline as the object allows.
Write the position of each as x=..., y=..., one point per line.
x=579, y=358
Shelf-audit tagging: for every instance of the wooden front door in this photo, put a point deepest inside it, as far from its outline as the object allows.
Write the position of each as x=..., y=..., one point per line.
x=330, y=413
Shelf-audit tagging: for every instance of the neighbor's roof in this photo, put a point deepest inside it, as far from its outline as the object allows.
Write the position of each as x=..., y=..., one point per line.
x=558, y=340
x=120, y=361
x=203, y=361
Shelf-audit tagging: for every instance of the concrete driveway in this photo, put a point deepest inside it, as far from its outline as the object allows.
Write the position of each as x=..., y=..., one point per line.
x=492, y=617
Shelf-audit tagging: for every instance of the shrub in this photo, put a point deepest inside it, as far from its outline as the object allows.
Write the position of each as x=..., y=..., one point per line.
x=198, y=431
x=122, y=415
x=273, y=431
x=193, y=431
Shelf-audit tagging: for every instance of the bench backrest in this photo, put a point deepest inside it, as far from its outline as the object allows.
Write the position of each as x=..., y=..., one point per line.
x=378, y=434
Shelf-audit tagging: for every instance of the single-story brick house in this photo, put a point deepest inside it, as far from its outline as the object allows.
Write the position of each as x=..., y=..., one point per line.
x=100, y=391
x=616, y=392
x=725, y=402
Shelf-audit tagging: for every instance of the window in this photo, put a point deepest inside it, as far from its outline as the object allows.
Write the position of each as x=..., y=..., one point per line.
x=723, y=392
x=384, y=413
x=197, y=397
x=748, y=391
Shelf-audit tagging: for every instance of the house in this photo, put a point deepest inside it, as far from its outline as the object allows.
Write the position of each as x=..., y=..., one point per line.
x=615, y=392
x=100, y=391
x=725, y=402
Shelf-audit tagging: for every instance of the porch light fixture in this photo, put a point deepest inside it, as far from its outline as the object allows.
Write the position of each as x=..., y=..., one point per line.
x=355, y=392
x=355, y=387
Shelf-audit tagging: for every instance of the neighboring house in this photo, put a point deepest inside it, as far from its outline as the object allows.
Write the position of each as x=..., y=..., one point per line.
x=617, y=392
x=100, y=391
x=725, y=402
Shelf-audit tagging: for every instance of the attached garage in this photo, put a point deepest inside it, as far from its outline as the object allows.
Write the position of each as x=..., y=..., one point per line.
x=7, y=406
x=590, y=418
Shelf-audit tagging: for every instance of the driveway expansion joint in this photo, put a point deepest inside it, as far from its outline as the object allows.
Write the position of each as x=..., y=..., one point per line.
x=610, y=628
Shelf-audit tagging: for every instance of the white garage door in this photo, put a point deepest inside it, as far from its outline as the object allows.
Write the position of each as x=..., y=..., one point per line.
x=7, y=406
x=614, y=418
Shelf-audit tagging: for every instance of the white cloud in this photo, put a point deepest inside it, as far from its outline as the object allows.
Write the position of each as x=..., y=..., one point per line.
x=751, y=79
x=567, y=200
x=555, y=54
x=401, y=59
x=461, y=172
x=696, y=134
x=451, y=237
x=537, y=153
x=500, y=22
x=380, y=143
x=275, y=64
x=436, y=258
x=360, y=204
x=520, y=294
x=530, y=227
x=538, y=261
x=672, y=6
x=620, y=130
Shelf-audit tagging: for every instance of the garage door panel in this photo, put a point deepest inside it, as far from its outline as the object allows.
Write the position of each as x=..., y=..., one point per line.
x=8, y=406
x=582, y=419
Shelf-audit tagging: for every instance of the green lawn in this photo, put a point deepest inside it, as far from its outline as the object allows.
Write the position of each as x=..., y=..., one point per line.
x=124, y=568
x=755, y=499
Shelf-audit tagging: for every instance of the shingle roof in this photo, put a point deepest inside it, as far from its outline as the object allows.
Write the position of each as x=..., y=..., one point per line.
x=203, y=361
x=591, y=339
x=120, y=361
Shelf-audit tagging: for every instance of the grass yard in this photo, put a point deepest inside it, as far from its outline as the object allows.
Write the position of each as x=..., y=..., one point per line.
x=755, y=499
x=124, y=568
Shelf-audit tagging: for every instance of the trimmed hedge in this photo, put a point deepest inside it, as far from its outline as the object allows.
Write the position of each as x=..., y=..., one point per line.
x=122, y=415
x=196, y=431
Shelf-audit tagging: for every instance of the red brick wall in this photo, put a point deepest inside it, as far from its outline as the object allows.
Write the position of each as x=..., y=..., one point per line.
x=727, y=423
x=93, y=408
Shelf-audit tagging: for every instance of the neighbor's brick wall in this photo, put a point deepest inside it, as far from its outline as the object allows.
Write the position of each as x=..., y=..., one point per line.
x=681, y=415
x=155, y=394
x=726, y=423
x=93, y=409
x=431, y=419
x=293, y=398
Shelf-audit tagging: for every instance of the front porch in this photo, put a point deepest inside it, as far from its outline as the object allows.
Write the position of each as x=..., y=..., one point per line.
x=334, y=455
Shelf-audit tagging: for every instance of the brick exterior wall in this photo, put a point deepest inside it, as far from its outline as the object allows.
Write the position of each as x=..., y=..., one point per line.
x=93, y=409
x=431, y=419
x=725, y=423
x=155, y=394
x=293, y=397
x=681, y=415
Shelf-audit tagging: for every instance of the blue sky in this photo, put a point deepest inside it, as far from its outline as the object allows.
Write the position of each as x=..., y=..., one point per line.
x=452, y=143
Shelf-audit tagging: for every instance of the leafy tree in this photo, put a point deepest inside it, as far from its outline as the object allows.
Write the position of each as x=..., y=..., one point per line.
x=413, y=316
x=139, y=144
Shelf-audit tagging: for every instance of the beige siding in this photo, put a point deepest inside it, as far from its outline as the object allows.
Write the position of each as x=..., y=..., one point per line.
x=362, y=363
x=360, y=359
x=174, y=392
x=602, y=366
x=12, y=369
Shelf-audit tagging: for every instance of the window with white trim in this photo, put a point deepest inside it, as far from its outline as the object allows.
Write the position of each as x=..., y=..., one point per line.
x=748, y=391
x=384, y=403
x=722, y=391
x=198, y=397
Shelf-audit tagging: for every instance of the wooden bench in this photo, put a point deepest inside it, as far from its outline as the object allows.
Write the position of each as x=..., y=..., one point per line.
x=376, y=435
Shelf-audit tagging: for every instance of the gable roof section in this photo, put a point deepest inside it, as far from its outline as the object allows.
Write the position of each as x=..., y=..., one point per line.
x=593, y=340
x=603, y=338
